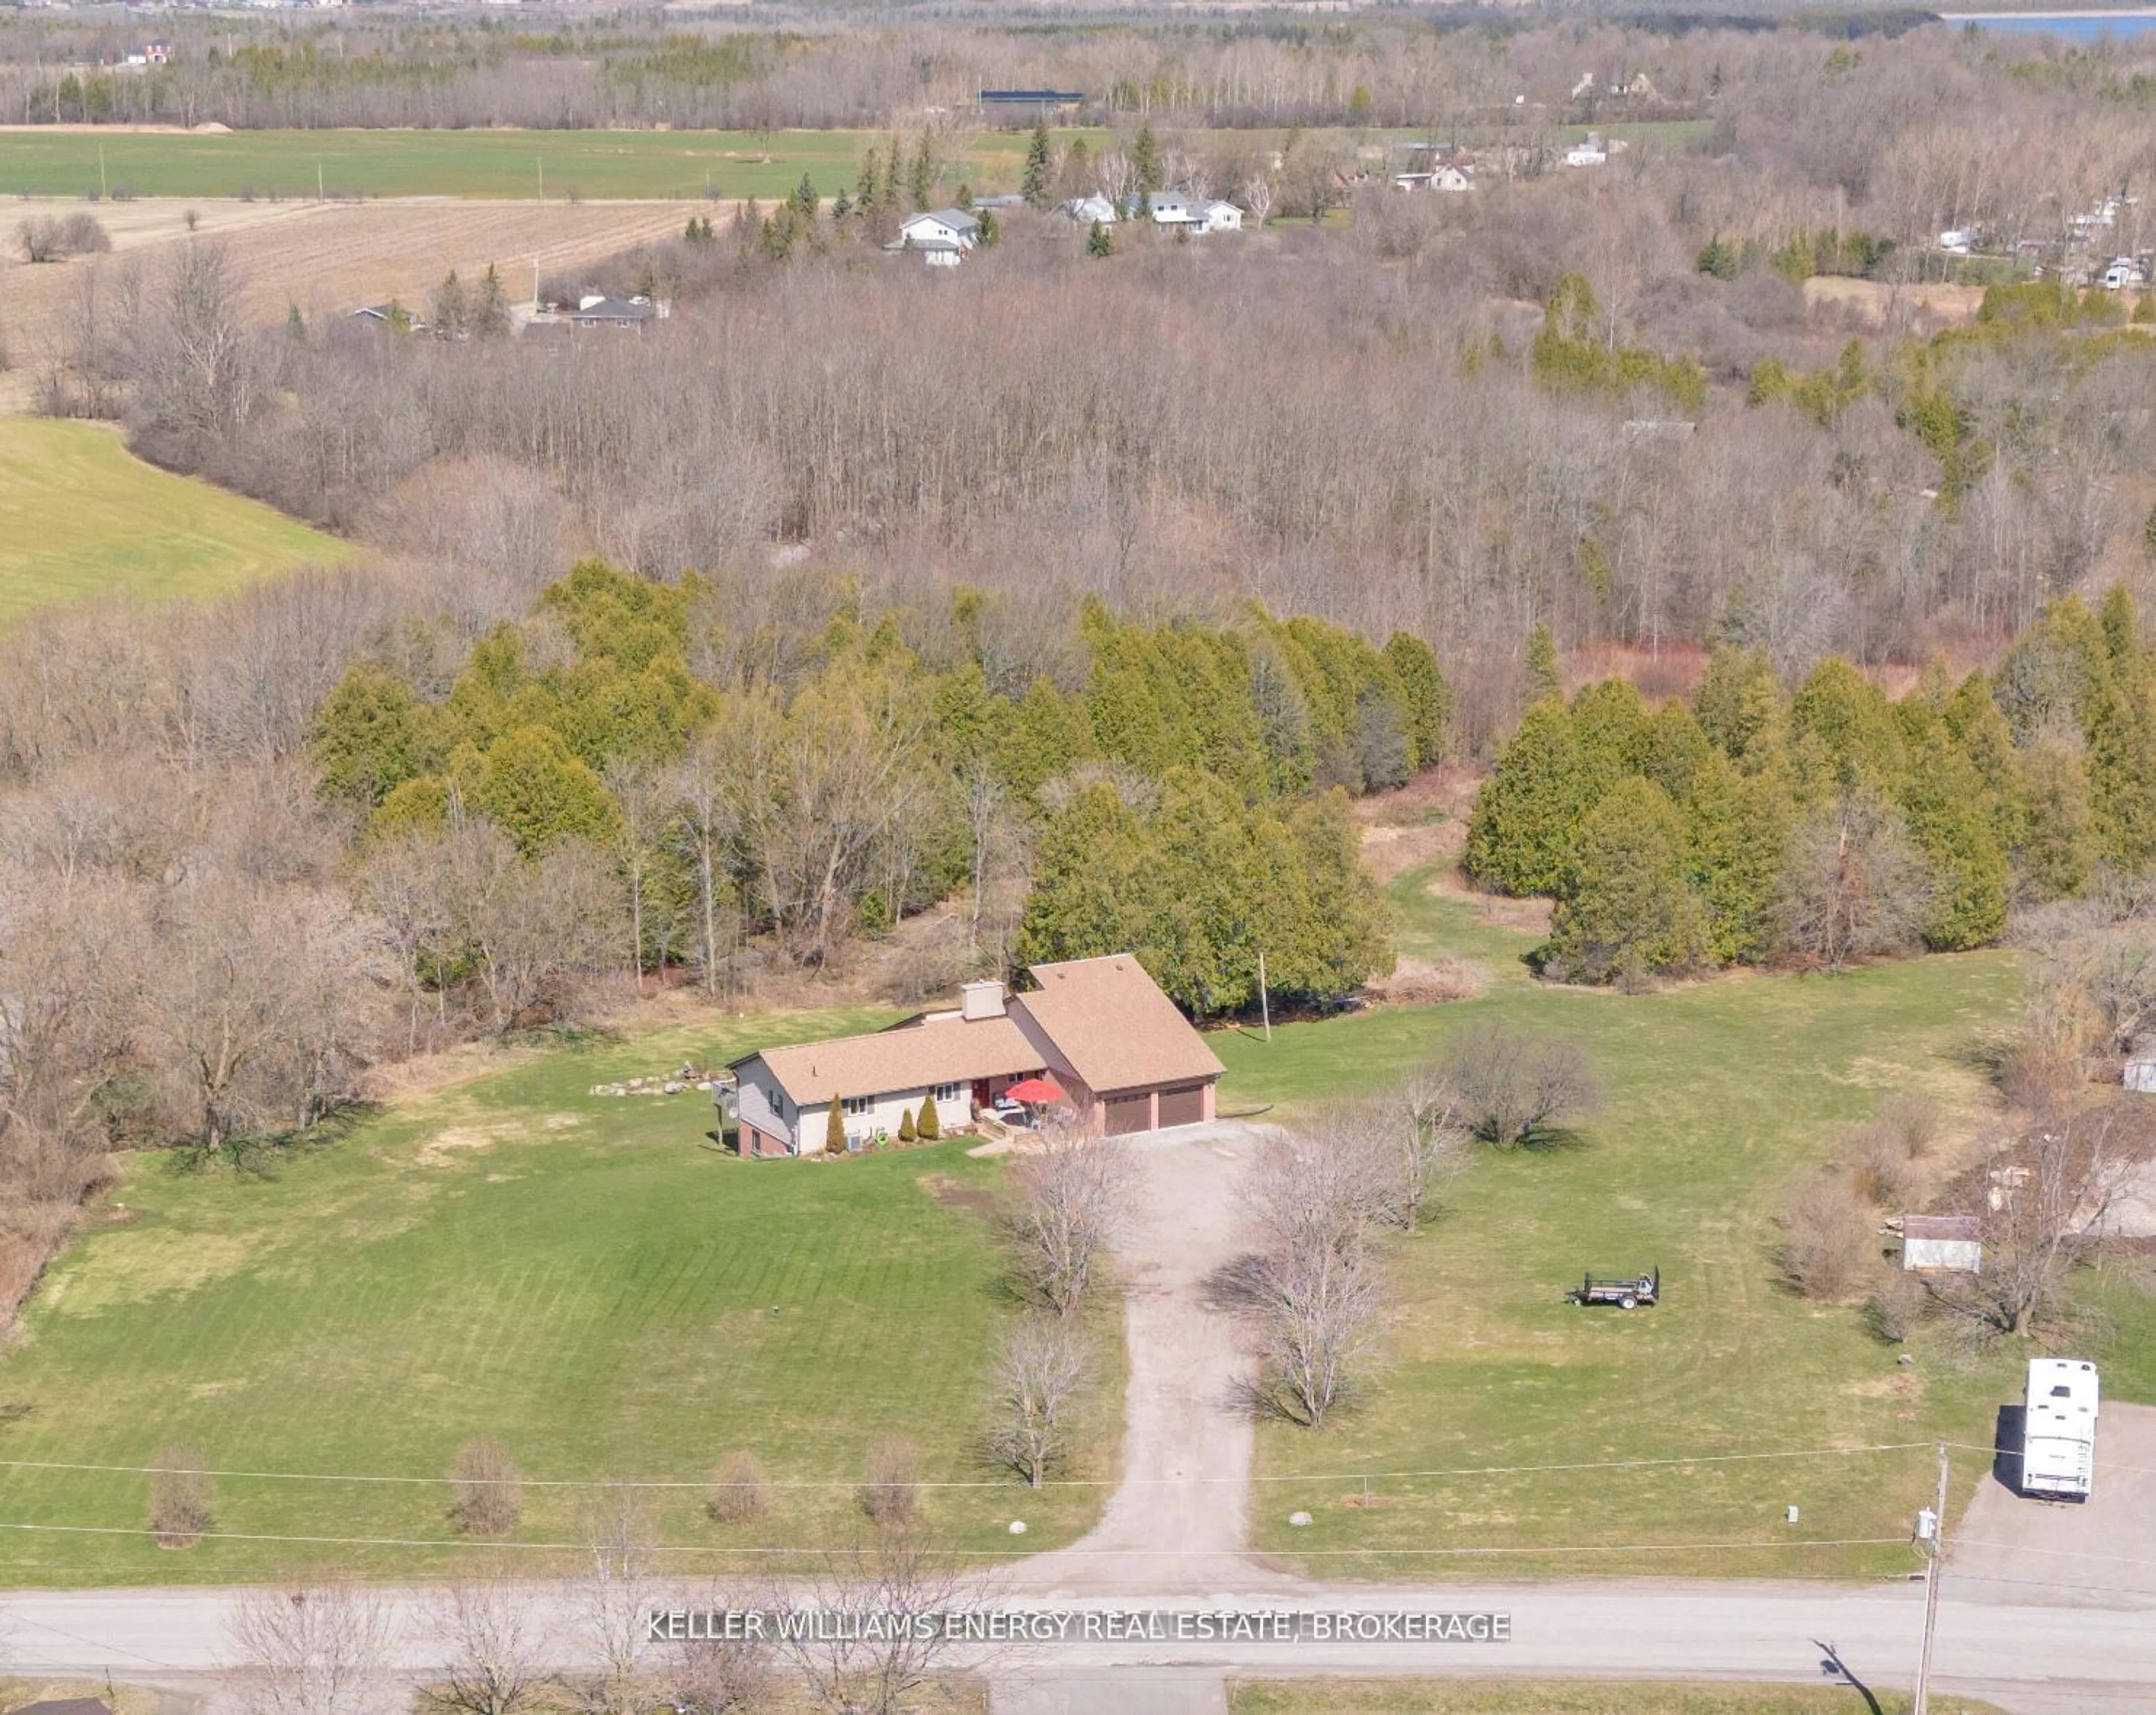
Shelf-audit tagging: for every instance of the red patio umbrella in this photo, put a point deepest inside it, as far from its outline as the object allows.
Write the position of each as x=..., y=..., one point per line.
x=1033, y=1093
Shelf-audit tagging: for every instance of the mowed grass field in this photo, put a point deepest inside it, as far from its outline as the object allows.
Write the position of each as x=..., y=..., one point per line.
x=35, y=161
x=586, y=1278
x=1717, y=1098
x=661, y=165
x=79, y=516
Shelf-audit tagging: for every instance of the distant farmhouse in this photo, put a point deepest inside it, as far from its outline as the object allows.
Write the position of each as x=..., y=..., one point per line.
x=1193, y=214
x=942, y=236
x=1125, y=1059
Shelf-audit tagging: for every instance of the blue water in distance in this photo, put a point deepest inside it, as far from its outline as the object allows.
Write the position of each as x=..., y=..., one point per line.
x=2074, y=29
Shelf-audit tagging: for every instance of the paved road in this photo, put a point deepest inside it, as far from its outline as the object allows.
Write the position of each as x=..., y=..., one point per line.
x=2042, y=1658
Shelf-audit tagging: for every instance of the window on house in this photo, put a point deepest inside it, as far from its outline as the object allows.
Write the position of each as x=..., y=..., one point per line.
x=947, y=1092
x=854, y=1107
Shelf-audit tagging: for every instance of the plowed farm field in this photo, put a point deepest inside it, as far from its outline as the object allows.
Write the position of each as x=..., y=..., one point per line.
x=326, y=259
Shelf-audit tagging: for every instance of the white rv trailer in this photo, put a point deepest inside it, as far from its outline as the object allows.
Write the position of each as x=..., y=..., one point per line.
x=2058, y=1432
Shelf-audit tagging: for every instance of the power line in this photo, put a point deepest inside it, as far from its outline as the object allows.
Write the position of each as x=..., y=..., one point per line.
x=1348, y=1476
x=121, y=1530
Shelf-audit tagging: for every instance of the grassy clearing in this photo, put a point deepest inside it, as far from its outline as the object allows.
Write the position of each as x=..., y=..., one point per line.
x=1717, y=1097
x=472, y=163
x=586, y=1279
x=588, y=163
x=79, y=516
x=1508, y=1696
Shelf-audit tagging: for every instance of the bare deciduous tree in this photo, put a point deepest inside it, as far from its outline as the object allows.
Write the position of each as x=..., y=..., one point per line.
x=852, y=1666
x=1509, y=1087
x=1856, y=885
x=1310, y=1284
x=317, y=1648
x=489, y=1489
x=738, y=1493
x=494, y=1642
x=615, y=1658
x=2054, y=1192
x=891, y=1481
x=718, y=1676
x=1040, y=1373
x=1073, y=1199
x=1827, y=1241
x=182, y=1496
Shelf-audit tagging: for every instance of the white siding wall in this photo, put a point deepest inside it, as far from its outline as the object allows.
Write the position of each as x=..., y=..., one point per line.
x=889, y=1111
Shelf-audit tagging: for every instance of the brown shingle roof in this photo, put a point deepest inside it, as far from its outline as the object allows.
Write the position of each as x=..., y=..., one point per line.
x=947, y=1050
x=1110, y=1020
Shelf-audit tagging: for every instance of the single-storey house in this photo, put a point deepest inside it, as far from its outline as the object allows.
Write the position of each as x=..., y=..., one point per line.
x=1590, y=153
x=952, y=229
x=1952, y=1242
x=1127, y=1059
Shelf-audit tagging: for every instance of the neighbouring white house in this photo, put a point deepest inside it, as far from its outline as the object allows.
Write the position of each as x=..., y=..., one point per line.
x=1447, y=177
x=1950, y=1242
x=942, y=229
x=1088, y=210
x=1194, y=213
x=1590, y=153
x=2125, y=274
x=1125, y=1059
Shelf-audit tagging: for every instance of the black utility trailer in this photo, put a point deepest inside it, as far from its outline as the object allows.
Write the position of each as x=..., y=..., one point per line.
x=1626, y=1293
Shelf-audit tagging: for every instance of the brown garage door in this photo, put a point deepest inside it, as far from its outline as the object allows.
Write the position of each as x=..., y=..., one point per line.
x=1182, y=1106
x=1129, y=1113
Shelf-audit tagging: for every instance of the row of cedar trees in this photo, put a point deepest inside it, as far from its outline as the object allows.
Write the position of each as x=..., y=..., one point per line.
x=1185, y=786
x=927, y=1126
x=1827, y=822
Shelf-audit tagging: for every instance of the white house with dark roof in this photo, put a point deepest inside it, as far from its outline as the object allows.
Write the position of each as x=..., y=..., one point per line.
x=1126, y=1059
x=939, y=228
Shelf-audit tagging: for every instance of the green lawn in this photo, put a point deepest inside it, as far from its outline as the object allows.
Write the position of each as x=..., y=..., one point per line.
x=1511, y=1697
x=586, y=1278
x=471, y=163
x=1718, y=1094
x=80, y=515
x=648, y=164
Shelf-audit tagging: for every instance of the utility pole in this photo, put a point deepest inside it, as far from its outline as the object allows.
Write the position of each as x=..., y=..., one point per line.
x=1939, y=1555
x=1264, y=999
x=101, y=171
x=542, y=160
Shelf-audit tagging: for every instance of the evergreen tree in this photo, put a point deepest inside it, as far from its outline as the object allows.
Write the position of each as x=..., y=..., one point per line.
x=1739, y=706
x=804, y=200
x=1675, y=750
x=1625, y=910
x=1519, y=839
x=1543, y=678
x=1738, y=830
x=929, y=1126
x=834, y=1129
x=1426, y=698
x=906, y=1131
x=1718, y=259
x=1050, y=735
x=867, y=185
x=2057, y=854
x=371, y=735
x=2122, y=776
x=535, y=790
x=1852, y=724
x=448, y=311
x=1146, y=164
x=1948, y=817
x=1610, y=722
x=1038, y=182
x=1099, y=242
x=921, y=178
x=2122, y=632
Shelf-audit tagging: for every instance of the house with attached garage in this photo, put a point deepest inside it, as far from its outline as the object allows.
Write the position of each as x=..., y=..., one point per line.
x=1099, y=1030
x=938, y=229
